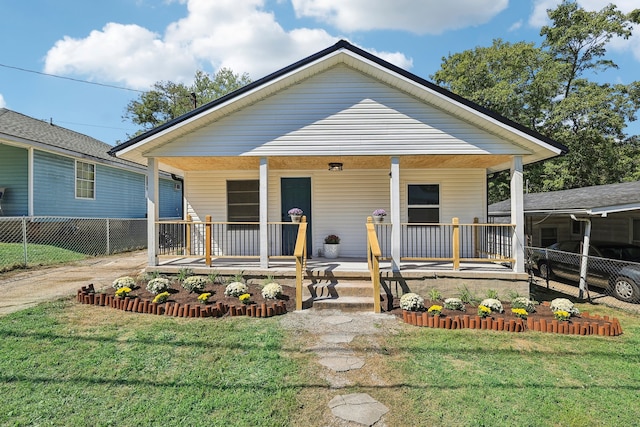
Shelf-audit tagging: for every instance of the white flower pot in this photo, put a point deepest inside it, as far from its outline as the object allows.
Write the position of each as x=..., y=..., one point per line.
x=378, y=219
x=331, y=250
x=296, y=218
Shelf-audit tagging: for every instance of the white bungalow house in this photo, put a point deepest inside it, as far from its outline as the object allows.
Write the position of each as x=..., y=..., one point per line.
x=339, y=134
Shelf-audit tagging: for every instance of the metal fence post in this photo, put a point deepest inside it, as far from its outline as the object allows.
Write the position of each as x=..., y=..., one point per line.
x=24, y=240
x=108, y=238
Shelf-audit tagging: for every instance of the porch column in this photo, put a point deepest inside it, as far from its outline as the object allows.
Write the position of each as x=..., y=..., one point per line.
x=517, y=213
x=264, y=225
x=153, y=210
x=395, y=213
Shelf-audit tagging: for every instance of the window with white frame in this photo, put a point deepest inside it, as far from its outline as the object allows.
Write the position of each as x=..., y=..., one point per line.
x=85, y=180
x=423, y=203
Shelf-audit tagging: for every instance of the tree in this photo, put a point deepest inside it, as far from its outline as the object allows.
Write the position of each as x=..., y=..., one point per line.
x=546, y=88
x=168, y=100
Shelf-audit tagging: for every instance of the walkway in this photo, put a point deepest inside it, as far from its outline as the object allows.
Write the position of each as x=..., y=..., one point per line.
x=26, y=288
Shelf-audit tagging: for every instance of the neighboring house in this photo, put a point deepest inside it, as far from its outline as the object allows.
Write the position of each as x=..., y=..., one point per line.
x=614, y=212
x=340, y=134
x=48, y=170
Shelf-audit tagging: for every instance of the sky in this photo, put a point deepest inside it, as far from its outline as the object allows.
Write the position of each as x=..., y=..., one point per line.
x=51, y=48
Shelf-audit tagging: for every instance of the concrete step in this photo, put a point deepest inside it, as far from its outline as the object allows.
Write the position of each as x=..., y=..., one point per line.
x=347, y=304
x=341, y=288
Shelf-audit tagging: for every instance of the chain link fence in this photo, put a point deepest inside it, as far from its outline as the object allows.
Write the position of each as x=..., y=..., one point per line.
x=612, y=281
x=32, y=241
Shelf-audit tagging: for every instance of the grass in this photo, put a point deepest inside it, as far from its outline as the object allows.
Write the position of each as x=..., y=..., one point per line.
x=68, y=364
x=65, y=364
x=12, y=255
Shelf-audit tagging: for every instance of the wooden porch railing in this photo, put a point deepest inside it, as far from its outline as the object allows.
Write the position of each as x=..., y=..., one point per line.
x=300, y=254
x=453, y=242
x=373, y=260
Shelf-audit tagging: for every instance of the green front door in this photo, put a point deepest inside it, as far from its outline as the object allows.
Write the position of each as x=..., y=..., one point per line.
x=295, y=193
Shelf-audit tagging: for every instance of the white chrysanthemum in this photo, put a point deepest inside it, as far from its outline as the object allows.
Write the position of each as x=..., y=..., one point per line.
x=235, y=289
x=454, y=304
x=195, y=283
x=271, y=290
x=523, y=302
x=124, y=282
x=563, y=304
x=158, y=285
x=494, y=304
x=411, y=302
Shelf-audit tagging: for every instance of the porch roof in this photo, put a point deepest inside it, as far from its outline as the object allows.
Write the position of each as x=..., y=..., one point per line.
x=538, y=146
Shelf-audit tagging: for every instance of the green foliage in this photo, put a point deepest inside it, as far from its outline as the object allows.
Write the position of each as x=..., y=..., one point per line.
x=492, y=293
x=434, y=294
x=214, y=277
x=184, y=272
x=168, y=100
x=12, y=256
x=466, y=296
x=547, y=89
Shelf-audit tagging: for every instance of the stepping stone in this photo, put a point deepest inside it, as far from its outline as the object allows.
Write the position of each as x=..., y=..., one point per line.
x=342, y=363
x=358, y=407
x=337, y=338
x=337, y=320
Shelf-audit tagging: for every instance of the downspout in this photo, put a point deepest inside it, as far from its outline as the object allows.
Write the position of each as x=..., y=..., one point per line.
x=182, y=203
x=585, y=256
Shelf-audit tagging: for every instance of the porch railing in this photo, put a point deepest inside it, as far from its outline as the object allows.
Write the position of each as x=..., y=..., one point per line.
x=373, y=260
x=215, y=239
x=454, y=242
x=300, y=254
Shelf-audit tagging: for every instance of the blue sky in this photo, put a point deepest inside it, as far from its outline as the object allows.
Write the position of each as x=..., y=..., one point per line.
x=133, y=43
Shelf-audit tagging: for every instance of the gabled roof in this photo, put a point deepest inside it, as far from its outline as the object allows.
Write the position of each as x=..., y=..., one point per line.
x=346, y=53
x=22, y=130
x=594, y=200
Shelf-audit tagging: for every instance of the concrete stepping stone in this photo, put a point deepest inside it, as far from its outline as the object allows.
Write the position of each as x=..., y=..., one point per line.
x=358, y=407
x=342, y=363
x=337, y=338
x=337, y=320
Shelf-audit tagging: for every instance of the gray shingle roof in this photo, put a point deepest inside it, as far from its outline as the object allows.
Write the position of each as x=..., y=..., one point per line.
x=594, y=198
x=28, y=129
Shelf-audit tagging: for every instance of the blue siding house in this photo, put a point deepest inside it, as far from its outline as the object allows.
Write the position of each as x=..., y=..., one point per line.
x=48, y=170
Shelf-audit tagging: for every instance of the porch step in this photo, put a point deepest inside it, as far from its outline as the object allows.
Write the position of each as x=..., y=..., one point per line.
x=340, y=294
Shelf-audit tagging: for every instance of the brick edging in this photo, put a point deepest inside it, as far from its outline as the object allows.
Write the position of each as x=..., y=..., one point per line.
x=586, y=324
x=87, y=295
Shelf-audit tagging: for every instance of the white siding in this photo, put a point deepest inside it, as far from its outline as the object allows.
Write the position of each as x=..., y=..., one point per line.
x=343, y=112
x=341, y=201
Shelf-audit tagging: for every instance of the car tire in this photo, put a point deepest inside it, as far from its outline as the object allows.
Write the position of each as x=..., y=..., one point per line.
x=626, y=289
x=545, y=271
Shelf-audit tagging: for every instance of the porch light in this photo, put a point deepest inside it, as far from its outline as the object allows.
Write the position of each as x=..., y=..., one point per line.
x=335, y=167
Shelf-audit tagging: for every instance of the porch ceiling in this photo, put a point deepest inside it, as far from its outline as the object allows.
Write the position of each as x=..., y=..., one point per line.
x=462, y=161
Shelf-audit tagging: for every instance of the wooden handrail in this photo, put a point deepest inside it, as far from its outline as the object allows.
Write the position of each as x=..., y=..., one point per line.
x=373, y=260
x=300, y=254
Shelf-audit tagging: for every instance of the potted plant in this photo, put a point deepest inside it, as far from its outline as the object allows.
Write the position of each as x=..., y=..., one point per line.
x=378, y=215
x=295, y=214
x=331, y=246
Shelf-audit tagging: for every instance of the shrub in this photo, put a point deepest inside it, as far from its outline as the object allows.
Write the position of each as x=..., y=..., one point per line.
x=454, y=304
x=124, y=282
x=563, y=304
x=492, y=294
x=524, y=303
x=184, y=272
x=157, y=285
x=493, y=304
x=271, y=290
x=235, y=289
x=466, y=296
x=411, y=302
x=161, y=297
x=195, y=283
x=434, y=294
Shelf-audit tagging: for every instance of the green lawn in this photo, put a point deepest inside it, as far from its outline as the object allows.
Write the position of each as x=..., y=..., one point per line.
x=69, y=364
x=12, y=255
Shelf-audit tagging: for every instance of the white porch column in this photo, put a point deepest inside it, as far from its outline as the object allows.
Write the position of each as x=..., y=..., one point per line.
x=264, y=226
x=395, y=213
x=153, y=210
x=517, y=213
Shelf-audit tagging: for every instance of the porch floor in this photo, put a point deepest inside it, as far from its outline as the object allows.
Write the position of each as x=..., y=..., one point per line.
x=343, y=267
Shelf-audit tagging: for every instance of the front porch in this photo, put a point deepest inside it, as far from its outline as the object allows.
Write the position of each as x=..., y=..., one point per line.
x=446, y=257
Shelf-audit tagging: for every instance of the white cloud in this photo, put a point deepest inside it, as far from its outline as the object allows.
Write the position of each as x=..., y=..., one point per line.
x=238, y=34
x=3, y=104
x=416, y=16
x=516, y=26
x=539, y=15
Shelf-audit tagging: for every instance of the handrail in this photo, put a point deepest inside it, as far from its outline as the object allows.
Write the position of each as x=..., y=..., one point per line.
x=373, y=260
x=300, y=254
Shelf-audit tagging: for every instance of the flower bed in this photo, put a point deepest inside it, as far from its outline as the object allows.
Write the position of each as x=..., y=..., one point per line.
x=542, y=320
x=181, y=303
